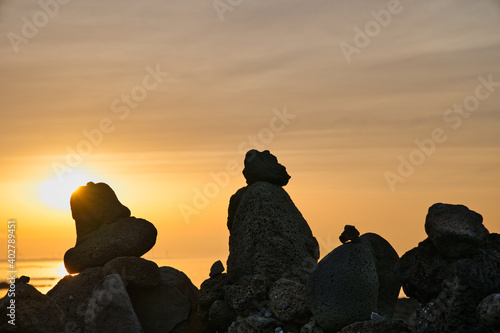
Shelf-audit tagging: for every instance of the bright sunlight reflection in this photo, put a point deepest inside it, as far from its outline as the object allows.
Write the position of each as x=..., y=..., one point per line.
x=62, y=270
x=56, y=192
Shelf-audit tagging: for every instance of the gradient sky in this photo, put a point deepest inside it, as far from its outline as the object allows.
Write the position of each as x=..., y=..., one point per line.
x=229, y=74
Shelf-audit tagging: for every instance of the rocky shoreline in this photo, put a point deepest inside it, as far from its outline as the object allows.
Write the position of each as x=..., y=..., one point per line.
x=273, y=282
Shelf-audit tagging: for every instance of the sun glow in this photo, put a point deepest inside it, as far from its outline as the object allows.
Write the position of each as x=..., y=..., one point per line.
x=61, y=272
x=56, y=192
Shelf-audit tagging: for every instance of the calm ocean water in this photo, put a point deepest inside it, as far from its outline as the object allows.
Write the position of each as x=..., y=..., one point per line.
x=45, y=274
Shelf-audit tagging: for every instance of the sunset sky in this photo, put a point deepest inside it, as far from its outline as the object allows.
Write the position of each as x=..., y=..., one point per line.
x=378, y=109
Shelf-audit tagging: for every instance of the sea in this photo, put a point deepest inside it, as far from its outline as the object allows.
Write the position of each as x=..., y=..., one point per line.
x=45, y=274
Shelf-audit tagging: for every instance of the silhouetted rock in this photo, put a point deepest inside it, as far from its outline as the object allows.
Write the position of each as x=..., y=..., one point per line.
x=455, y=230
x=94, y=205
x=488, y=311
x=221, y=315
x=127, y=237
x=451, y=284
x=234, y=202
x=72, y=294
x=216, y=269
x=210, y=291
x=350, y=233
x=32, y=312
x=169, y=307
x=269, y=236
x=135, y=272
x=343, y=287
x=288, y=301
x=110, y=309
x=264, y=166
x=247, y=294
x=386, y=259
x=421, y=271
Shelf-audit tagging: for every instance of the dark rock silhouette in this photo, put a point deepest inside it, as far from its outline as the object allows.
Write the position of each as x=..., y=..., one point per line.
x=288, y=301
x=72, y=294
x=386, y=259
x=269, y=236
x=264, y=166
x=105, y=229
x=34, y=312
x=216, y=269
x=123, y=238
x=94, y=205
x=353, y=281
x=172, y=306
x=451, y=283
x=455, y=230
x=135, y=272
x=271, y=254
x=110, y=308
x=343, y=287
x=350, y=233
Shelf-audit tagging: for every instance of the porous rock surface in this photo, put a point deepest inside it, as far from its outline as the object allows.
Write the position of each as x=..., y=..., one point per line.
x=269, y=236
x=123, y=238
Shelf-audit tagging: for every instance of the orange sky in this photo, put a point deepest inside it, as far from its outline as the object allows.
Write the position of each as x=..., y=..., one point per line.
x=86, y=89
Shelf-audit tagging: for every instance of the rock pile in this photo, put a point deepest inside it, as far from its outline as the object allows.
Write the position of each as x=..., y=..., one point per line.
x=116, y=290
x=272, y=251
x=454, y=273
x=105, y=229
x=354, y=281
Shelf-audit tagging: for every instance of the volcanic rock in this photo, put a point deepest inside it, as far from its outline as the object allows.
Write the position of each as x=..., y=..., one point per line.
x=216, y=269
x=72, y=294
x=127, y=237
x=343, y=287
x=135, y=272
x=386, y=259
x=110, y=309
x=264, y=166
x=94, y=205
x=269, y=236
x=247, y=295
x=169, y=307
x=455, y=230
x=221, y=315
x=33, y=312
x=288, y=301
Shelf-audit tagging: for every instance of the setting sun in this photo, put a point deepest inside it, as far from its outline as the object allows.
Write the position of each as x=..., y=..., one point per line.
x=56, y=192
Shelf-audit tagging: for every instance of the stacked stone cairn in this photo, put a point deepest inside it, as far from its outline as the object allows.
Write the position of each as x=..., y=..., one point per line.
x=115, y=290
x=271, y=254
x=454, y=273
